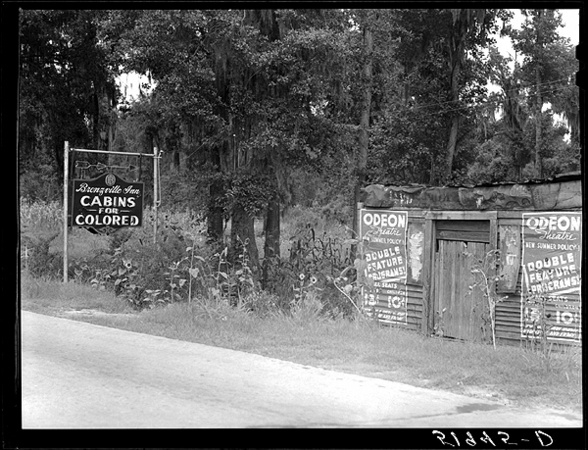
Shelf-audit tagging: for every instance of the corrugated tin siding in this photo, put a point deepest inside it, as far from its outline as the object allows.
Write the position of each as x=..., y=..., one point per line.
x=508, y=311
x=508, y=318
x=414, y=290
x=414, y=308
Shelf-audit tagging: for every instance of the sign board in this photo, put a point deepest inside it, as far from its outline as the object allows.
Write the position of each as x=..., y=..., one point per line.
x=415, y=248
x=383, y=236
x=107, y=201
x=510, y=257
x=552, y=258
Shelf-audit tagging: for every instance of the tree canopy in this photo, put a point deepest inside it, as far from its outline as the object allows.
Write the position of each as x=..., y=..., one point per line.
x=259, y=110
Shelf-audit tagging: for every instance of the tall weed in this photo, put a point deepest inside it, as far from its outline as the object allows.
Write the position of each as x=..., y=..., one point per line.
x=38, y=215
x=312, y=267
x=182, y=266
x=40, y=262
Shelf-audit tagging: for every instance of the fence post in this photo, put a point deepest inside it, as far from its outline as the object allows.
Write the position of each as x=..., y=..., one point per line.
x=65, y=207
x=155, y=191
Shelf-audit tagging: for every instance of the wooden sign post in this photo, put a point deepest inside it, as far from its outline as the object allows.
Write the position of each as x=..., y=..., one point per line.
x=65, y=204
x=106, y=201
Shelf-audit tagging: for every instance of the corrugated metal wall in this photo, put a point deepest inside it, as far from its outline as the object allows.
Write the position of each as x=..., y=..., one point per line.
x=508, y=311
x=414, y=308
x=508, y=318
x=414, y=288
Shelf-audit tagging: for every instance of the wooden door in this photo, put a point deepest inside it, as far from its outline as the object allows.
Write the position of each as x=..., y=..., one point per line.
x=459, y=302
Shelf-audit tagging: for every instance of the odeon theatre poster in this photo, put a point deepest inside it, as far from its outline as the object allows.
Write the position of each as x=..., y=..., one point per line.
x=552, y=257
x=383, y=235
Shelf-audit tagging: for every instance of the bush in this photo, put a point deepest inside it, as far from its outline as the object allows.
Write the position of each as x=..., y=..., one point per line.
x=41, y=263
x=263, y=303
x=137, y=269
x=313, y=266
x=39, y=215
x=181, y=266
x=40, y=184
x=40, y=224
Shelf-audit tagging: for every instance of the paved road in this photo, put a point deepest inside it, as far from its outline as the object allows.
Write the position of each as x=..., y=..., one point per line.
x=79, y=375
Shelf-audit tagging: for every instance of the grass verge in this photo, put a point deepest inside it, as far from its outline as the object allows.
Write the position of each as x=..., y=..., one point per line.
x=510, y=374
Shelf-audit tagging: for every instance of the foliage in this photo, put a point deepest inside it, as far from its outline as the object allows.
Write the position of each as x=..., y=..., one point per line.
x=179, y=267
x=537, y=336
x=40, y=224
x=185, y=191
x=182, y=266
x=40, y=215
x=492, y=163
x=39, y=184
x=264, y=110
x=66, y=90
x=548, y=66
x=313, y=267
x=260, y=110
x=40, y=261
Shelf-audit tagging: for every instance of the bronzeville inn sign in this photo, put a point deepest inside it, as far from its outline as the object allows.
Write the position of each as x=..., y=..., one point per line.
x=107, y=201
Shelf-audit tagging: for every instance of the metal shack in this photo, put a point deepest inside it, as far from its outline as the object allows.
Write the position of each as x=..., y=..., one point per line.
x=428, y=249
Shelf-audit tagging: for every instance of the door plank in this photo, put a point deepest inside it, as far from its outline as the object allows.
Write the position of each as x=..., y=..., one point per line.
x=462, y=318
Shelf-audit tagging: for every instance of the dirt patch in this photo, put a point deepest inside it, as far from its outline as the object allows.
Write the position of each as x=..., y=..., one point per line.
x=473, y=407
x=485, y=392
x=95, y=313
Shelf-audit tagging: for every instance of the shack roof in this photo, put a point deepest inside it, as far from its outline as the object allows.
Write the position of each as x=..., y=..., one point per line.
x=563, y=192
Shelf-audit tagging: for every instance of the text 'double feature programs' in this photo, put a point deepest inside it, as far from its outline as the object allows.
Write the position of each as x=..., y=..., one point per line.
x=383, y=248
x=551, y=263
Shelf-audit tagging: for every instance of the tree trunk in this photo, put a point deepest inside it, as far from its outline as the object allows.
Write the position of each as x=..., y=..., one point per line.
x=215, y=227
x=538, y=108
x=215, y=212
x=271, y=247
x=58, y=155
x=175, y=162
x=451, y=146
x=96, y=141
x=364, y=125
x=243, y=236
x=452, y=142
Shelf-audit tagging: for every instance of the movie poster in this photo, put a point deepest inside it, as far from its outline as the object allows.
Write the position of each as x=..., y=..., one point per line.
x=383, y=235
x=552, y=257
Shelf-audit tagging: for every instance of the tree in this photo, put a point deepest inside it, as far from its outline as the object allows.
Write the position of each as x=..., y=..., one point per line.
x=245, y=88
x=429, y=95
x=548, y=64
x=67, y=87
x=509, y=151
x=364, y=122
x=515, y=115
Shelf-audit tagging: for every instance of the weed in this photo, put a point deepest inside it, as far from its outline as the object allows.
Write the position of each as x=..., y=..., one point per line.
x=313, y=264
x=438, y=328
x=537, y=333
x=308, y=309
x=40, y=224
x=37, y=215
x=261, y=303
x=40, y=261
x=485, y=271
